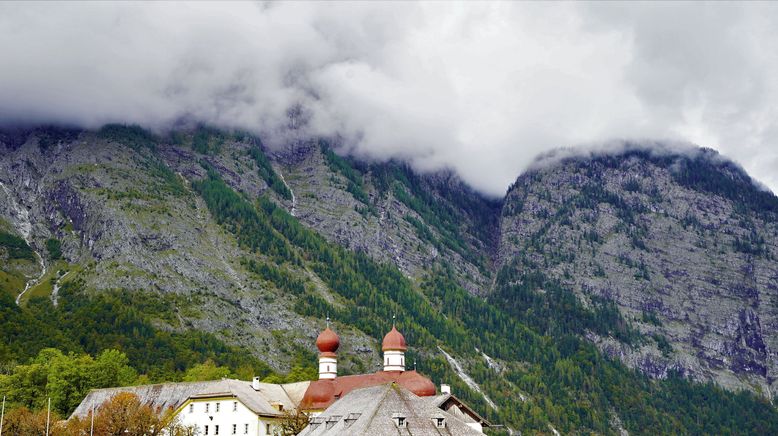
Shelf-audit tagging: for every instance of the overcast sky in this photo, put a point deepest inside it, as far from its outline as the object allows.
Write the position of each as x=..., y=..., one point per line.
x=480, y=88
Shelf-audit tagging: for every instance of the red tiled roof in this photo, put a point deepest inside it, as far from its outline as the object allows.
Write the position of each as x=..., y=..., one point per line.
x=322, y=393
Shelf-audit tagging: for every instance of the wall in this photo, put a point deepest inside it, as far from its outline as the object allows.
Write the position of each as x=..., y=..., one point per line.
x=224, y=418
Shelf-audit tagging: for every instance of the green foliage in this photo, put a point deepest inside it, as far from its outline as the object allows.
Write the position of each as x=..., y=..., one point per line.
x=207, y=371
x=132, y=136
x=66, y=378
x=50, y=136
x=438, y=216
x=280, y=278
x=422, y=231
x=268, y=174
x=170, y=182
x=16, y=247
x=752, y=243
x=663, y=344
x=651, y=318
x=113, y=320
x=631, y=185
x=556, y=310
x=207, y=140
x=254, y=231
x=54, y=247
x=707, y=172
x=355, y=185
x=303, y=368
x=532, y=324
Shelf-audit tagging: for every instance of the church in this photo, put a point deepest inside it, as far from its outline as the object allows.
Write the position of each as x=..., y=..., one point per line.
x=392, y=401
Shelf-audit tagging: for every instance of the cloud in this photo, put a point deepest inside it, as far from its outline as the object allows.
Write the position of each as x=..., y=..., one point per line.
x=481, y=88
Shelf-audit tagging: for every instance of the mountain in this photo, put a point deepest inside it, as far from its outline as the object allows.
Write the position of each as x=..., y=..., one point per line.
x=204, y=246
x=682, y=241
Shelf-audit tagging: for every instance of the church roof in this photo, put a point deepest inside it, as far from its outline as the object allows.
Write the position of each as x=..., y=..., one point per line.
x=374, y=411
x=322, y=393
x=173, y=395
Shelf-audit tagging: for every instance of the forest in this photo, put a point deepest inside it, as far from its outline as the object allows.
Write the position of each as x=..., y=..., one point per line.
x=571, y=385
x=532, y=325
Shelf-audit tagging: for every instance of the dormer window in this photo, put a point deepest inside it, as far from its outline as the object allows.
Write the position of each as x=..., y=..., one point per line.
x=330, y=422
x=440, y=422
x=315, y=421
x=399, y=420
x=351, y=418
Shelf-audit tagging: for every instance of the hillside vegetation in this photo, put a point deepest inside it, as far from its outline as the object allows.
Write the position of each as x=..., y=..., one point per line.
x=204, y=272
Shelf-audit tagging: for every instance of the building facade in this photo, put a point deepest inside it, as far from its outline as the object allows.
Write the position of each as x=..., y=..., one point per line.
x=236, y=407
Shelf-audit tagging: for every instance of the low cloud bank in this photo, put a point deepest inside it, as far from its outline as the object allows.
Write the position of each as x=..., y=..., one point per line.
x=478, y=88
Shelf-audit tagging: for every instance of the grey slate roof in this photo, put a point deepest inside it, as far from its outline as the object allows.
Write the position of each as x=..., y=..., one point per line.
x=173, y=395
x=370, y=411
x=456, y=407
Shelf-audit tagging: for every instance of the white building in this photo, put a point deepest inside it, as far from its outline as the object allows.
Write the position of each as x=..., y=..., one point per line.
x=235, y=407
x=219, y=407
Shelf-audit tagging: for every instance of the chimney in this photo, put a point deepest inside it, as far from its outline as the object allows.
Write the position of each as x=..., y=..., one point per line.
x=255, y=383
x=445, y=389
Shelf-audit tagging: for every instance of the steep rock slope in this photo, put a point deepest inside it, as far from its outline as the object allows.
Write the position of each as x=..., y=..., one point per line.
x=123, y=210
x=685, y=244
x=393, y=214
x=216, y=234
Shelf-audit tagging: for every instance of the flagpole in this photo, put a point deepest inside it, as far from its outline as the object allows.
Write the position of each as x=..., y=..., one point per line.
x=48, y=417
x=2, y=415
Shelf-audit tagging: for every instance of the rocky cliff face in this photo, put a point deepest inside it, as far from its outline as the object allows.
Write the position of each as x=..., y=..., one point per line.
x=127, y=219
x=685, y=244
x=122, y=206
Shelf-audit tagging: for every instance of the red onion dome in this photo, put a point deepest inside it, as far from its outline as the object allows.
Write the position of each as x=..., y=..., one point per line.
x=328, y=341
x=394, y=341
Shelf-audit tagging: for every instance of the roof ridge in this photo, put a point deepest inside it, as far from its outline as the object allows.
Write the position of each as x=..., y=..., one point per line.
x=160, y=384
x=378, y=403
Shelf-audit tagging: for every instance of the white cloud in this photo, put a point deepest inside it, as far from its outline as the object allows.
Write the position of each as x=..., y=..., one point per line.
x=478, y=87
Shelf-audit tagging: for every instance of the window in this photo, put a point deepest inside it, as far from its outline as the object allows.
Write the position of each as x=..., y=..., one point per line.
x=206, y=430
x=234, y=406
x=267, y=429
x=217, y=406
x=234, y=428
x=207, y=407
x=245, y=429
x=191, y=408
x=215, y=429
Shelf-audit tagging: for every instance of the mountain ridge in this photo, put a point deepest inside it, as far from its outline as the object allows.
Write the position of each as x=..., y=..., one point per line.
x=202, y=219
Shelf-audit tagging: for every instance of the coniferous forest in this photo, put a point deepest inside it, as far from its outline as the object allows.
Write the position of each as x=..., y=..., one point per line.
x=550, y=374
